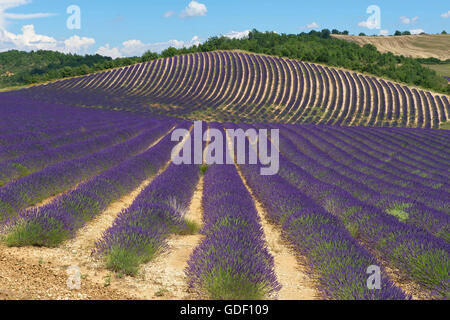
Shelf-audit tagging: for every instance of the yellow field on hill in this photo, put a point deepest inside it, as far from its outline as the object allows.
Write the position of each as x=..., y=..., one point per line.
x=415, y=46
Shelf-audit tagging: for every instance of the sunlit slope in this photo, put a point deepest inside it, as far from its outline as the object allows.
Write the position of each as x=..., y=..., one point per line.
x=415, y=46
x=239, y=86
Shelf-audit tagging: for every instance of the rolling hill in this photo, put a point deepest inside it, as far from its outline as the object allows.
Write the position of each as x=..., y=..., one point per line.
x=415, y=46
x=240, y=86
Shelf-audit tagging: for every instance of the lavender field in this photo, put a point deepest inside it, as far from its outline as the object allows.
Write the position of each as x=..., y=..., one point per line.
x=237, y=86
x=86, y=175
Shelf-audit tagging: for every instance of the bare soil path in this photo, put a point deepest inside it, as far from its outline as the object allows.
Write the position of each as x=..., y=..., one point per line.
x=76, y=252
x=29, y=277
x=44, y=272
x=295, y=281
x=169, y=280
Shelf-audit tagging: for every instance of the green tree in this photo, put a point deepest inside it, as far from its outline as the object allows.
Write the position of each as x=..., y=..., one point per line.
x=169, y=52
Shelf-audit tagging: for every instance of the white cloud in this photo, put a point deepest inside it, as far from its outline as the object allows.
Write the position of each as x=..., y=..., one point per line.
x=384, y=32
x=194, y=9
x=8, y=4
x=30, y=40
x=4, y=4
x=109, y=52
x=416, y=31
x=76, y=44
x=406, y=20
x=312, y=25
x=132, y=48
x=168, y=14
x=446, y=14
x=137, y=47
x=22, y=16
x=237, y=34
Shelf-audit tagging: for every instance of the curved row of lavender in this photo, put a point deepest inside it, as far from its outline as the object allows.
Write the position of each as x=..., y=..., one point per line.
x=57, y=221
x=411, y=205
x=139, y=233
x=26, y=120
x=31, y=162
x=233, y=261
x=425, y=257
x=9, y=152
x=242, y=86
x=341, y=193
x=335, y=258
x=62, y=176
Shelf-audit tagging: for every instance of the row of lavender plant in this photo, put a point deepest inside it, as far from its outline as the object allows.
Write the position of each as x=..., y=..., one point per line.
x=403, y=158
x=139, y=233
x=382, y=181
x=14, y=169
x=38, y=135
x=84, y=133
x=233, y=261
x=406, y=209
x=244, y=81
x=413, y=147
x=338, y=148
x=25, y=120
x=336, y=259
x=60, y=219
x=58, y=178
x=421, y=257
x=365, y=167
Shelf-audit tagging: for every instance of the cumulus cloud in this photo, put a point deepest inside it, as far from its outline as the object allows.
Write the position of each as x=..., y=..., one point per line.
x=416, y=31
x=384, y=32
x=312, y=25
x=194, y=9
x=138, y=48
x=107, y=51
x=446, y=14
x=77, y=44
x=237, y=34
x=30, y=40
x=406, y=20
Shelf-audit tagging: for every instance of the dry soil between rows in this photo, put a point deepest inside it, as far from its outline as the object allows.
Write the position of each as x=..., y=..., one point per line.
x=293, y=276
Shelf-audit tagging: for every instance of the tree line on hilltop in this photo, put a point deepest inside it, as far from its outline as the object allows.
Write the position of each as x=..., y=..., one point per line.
x=314, y=46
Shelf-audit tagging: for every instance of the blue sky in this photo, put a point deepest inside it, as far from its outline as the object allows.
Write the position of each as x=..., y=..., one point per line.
x=123, y=28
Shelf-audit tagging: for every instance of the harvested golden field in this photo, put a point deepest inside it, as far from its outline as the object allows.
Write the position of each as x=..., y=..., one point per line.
x=415, y=46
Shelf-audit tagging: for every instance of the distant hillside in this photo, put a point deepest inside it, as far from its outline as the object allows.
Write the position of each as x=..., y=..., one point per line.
x=238, y=86
x=19, y=68
x=315, y=47
x=415, y=46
